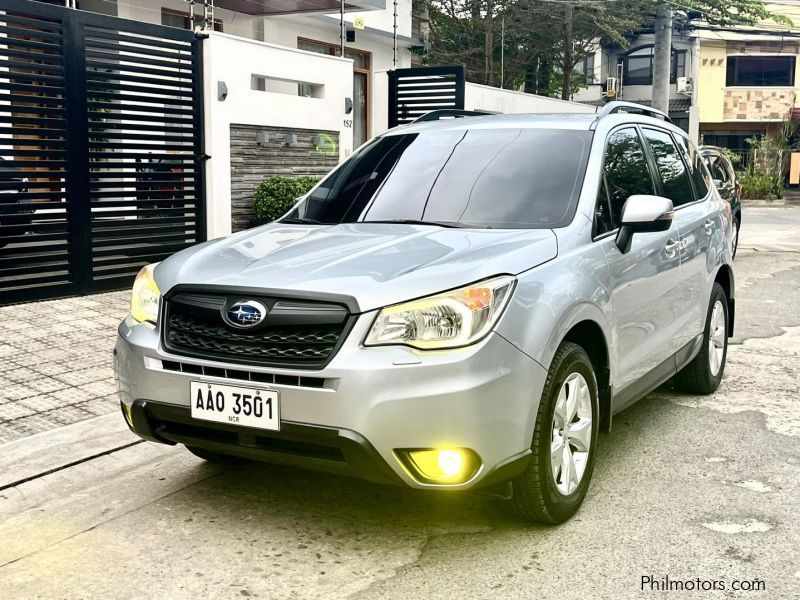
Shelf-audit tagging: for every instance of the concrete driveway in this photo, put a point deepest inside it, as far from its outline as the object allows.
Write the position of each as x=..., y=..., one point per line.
x=692, y=489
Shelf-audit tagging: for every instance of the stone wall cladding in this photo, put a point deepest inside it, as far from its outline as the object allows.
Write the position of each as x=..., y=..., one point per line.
x=758, y=104
x=251, y=162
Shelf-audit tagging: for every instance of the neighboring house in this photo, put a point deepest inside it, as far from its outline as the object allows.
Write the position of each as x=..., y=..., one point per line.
x=749, y=80
x=629, y=72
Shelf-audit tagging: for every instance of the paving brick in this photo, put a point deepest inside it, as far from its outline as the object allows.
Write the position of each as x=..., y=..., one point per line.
x=46, y=385
x=73, y=395
x=21, y=375
x=18, y=391
x=14, y=410
x=84, y=376
x=55, y=354
x=100, y=406
x=42, y=403
x=7, y=364
x=99, y=388
x=51, y=367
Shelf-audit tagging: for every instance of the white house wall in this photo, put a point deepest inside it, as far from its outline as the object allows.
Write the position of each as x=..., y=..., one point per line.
x=234, y=61
x=286, y=30
x=482, y=97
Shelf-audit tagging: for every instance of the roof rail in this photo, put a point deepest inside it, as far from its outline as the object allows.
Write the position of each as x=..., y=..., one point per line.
x=435, y=115
x=617, y=106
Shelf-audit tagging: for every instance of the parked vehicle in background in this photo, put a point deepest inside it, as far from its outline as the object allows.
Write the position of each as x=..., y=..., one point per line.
x=462, y=304
x=12, y=183
x=724, y=176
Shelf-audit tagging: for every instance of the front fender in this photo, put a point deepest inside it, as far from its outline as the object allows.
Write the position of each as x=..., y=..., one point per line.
x=553, y=298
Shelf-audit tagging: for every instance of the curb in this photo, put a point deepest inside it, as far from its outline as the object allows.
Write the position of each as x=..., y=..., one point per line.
x=764, y=203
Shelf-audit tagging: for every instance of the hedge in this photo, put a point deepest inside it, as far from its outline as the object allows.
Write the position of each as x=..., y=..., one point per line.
x=275, y=195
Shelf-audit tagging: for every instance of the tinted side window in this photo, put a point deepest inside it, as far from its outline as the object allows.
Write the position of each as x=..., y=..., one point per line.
x=671, y=168
x=602, y=211
x=727, y=166
x=717, y=168
x=626, y=170
x=697, y=168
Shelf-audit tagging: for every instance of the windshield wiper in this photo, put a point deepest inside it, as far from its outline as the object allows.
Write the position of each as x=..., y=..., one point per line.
x=301, y=221
x=419, y=222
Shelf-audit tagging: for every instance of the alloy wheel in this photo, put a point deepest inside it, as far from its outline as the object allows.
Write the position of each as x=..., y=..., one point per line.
x=571, y=434
x=716, y=338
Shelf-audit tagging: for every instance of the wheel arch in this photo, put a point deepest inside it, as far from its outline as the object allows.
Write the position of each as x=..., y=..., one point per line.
x=724, y=277
x=589, y=335
x=585, y=325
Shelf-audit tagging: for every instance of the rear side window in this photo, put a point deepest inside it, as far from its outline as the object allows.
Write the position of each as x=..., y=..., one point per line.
x=717, y=167
x=674, y=175
x=697, y=168
x=626, y=172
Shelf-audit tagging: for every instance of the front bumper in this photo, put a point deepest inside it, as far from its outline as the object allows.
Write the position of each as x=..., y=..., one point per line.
x=363, y=405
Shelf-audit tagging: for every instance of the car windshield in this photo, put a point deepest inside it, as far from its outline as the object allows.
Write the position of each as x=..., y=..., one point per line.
x=483, y=178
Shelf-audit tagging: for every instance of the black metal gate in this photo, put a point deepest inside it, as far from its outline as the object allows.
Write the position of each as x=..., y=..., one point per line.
x=413, y=92
x=101, y=149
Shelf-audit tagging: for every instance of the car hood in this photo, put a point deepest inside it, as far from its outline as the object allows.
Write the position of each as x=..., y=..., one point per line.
x=375, y=264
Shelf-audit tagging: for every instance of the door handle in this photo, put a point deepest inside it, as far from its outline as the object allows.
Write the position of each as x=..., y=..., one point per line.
x=671, y=247
x=709, y=226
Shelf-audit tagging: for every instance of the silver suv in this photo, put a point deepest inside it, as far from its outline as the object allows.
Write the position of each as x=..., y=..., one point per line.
x=463, y=305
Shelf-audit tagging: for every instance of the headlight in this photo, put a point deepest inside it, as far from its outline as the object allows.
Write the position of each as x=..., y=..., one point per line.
x=145, y=296
x=446, y=320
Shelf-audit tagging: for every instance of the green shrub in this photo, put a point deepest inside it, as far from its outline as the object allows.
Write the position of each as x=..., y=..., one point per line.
x=760, y=186
x=275, y=195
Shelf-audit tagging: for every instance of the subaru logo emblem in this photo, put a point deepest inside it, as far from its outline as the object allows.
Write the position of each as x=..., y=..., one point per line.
x=247, y=313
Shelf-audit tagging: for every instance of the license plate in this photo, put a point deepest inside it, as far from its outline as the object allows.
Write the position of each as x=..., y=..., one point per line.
x=251, y=407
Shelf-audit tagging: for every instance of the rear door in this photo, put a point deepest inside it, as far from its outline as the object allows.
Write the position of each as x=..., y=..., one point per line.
x=643, y=280
x=685, y=180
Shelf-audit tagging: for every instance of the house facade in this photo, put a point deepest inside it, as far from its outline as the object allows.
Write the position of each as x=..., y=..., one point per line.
x=749, y=81
x=726, y=84
x=616, y=72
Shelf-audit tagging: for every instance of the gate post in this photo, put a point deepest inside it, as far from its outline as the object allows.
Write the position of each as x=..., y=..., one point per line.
x=77, y=180
x=415, y=91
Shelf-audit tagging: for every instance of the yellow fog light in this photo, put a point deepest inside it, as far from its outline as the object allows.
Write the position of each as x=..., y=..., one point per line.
x=440, y=465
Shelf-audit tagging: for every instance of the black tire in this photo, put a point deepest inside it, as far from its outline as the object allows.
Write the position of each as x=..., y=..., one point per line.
x=535, y=495
x=216, y=457
x=697, y=377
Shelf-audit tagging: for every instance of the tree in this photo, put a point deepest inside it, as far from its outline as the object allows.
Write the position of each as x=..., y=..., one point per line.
x=544, y=41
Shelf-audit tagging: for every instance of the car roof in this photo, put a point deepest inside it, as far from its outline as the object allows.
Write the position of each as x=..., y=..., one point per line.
x=569, y=121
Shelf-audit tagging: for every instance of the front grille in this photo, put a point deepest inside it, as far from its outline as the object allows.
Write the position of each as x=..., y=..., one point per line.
x=301, y=334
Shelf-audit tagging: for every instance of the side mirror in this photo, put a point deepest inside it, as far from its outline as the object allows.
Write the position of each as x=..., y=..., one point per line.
x=717, y=183
x=643, y=214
